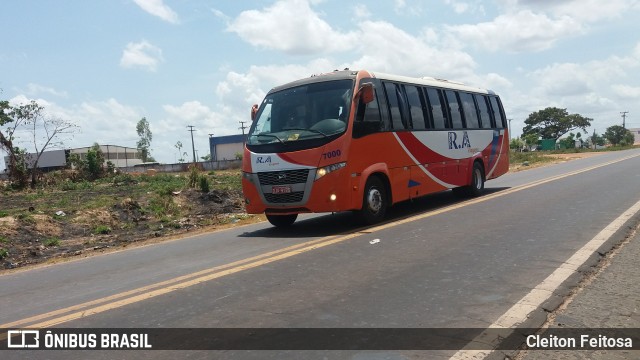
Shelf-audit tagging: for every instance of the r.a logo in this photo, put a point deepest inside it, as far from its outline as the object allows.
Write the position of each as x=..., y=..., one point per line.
x=453, y=137
x=263, y=159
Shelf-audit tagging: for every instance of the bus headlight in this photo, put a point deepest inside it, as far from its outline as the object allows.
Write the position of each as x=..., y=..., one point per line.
x=327, y=169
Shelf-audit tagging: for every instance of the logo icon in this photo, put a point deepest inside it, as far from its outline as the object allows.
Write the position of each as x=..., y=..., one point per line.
x=282, y=176
x=22, y=339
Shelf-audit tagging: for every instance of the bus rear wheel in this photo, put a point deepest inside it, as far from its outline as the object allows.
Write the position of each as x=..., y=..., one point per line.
x=477, y=183
x=282, y=220
x=374, y=202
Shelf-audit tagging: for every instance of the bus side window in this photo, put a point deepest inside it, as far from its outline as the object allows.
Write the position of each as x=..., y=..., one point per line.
x=437, y=110
x=497, y=112
x=483, y=111
x=395, y=102
x=469, y=110
x=368, y=120
x=454, y=109
x=416, y=107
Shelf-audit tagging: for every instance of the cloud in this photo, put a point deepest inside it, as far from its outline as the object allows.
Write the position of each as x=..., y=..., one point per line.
x=626, y=91
x=159, y=9
x=36, y=89
x=583, y=88
x=220, y=15
x=105, y=122
x=361, y=11
x=523, y=31
x=387, y=48
x=580, y=10
x=143, y=55
x=290, y=26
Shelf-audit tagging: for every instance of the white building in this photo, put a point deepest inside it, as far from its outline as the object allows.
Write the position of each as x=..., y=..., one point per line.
x=226, y=147
x=120, y=156
x=636, y=134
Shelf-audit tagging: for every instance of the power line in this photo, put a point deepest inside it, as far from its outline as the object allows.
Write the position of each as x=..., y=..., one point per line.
x=242, y=127
x=193, y=147
x=624, y=118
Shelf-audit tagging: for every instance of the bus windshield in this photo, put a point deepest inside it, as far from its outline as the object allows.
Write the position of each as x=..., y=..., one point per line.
x=313, y=111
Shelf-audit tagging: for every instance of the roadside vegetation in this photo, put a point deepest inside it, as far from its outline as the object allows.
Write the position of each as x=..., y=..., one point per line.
x=523, y=159
x=69, y=213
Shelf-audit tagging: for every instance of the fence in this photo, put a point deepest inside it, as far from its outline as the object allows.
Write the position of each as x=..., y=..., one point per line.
x=182, y=167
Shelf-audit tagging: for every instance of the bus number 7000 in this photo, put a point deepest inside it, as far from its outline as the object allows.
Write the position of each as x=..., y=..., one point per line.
x=331, y=154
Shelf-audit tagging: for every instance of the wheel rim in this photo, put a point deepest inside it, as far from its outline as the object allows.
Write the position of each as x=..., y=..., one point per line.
x=374, y=200
x=478, y=179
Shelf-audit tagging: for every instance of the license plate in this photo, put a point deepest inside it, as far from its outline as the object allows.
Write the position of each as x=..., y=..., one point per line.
x=280, y=189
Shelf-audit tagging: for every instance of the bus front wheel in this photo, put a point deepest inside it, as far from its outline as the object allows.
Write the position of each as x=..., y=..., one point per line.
x=282, y=220
x=374, y=202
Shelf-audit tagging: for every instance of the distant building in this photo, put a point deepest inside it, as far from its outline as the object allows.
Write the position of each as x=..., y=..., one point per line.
x=120, y=156
x=636, y=134
x=226, y=147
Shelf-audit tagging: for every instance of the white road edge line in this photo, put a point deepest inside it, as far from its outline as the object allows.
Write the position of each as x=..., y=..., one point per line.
x=519, y=312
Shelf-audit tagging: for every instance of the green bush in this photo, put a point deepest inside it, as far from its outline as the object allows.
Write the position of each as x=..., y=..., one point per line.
x=102, y=230
x=204, y=184
x=194, y=173
x=163, y=205
x=3, y=253
x=54, y=241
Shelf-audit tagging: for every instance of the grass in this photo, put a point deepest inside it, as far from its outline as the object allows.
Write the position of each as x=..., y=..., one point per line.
x=3, y=253
x=517, y=158
x=4, y=239
x=54, y=241
x=102, y=230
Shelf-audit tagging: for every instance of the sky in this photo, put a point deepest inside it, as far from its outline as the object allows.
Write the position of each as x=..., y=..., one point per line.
x=105, y=64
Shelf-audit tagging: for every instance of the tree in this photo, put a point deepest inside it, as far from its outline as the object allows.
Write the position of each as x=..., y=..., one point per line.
x=596, y=140
x=531, y=140
x=628, y=139
x=516, y=144
x=144, y=144
x=16, y=167
x=178, y=146
x=617, y=135
x=92, y=166
x=46, y=131
x=569, y=142
x=552, y=123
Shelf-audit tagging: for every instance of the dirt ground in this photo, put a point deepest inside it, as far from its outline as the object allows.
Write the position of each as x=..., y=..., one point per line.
x=36, y=237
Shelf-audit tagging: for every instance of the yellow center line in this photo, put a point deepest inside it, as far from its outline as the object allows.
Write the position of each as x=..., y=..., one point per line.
x=147, y=292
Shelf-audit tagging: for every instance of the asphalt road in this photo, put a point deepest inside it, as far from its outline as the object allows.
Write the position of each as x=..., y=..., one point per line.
x=439, y=262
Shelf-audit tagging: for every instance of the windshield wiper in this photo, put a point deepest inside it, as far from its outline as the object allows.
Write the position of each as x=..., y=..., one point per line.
x=270, y=135
x=310, y=130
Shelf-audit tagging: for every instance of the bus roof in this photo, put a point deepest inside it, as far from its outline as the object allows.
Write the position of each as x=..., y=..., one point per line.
x=430, y=81
x=351, y=74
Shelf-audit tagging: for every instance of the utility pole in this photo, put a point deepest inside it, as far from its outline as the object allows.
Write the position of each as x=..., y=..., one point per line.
x=624, y=118
x=509, y=128
x=193, y=148
x=242, y=127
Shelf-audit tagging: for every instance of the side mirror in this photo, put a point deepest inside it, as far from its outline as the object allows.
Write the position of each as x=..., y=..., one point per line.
x=254, y=112
x=365, y=93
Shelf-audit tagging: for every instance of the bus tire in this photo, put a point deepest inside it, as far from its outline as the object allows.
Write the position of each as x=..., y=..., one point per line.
x=374, y=201
x=282, y=220
x=477, y=183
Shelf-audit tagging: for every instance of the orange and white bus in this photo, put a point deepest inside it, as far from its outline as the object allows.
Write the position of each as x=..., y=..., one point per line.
x=363, y=141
